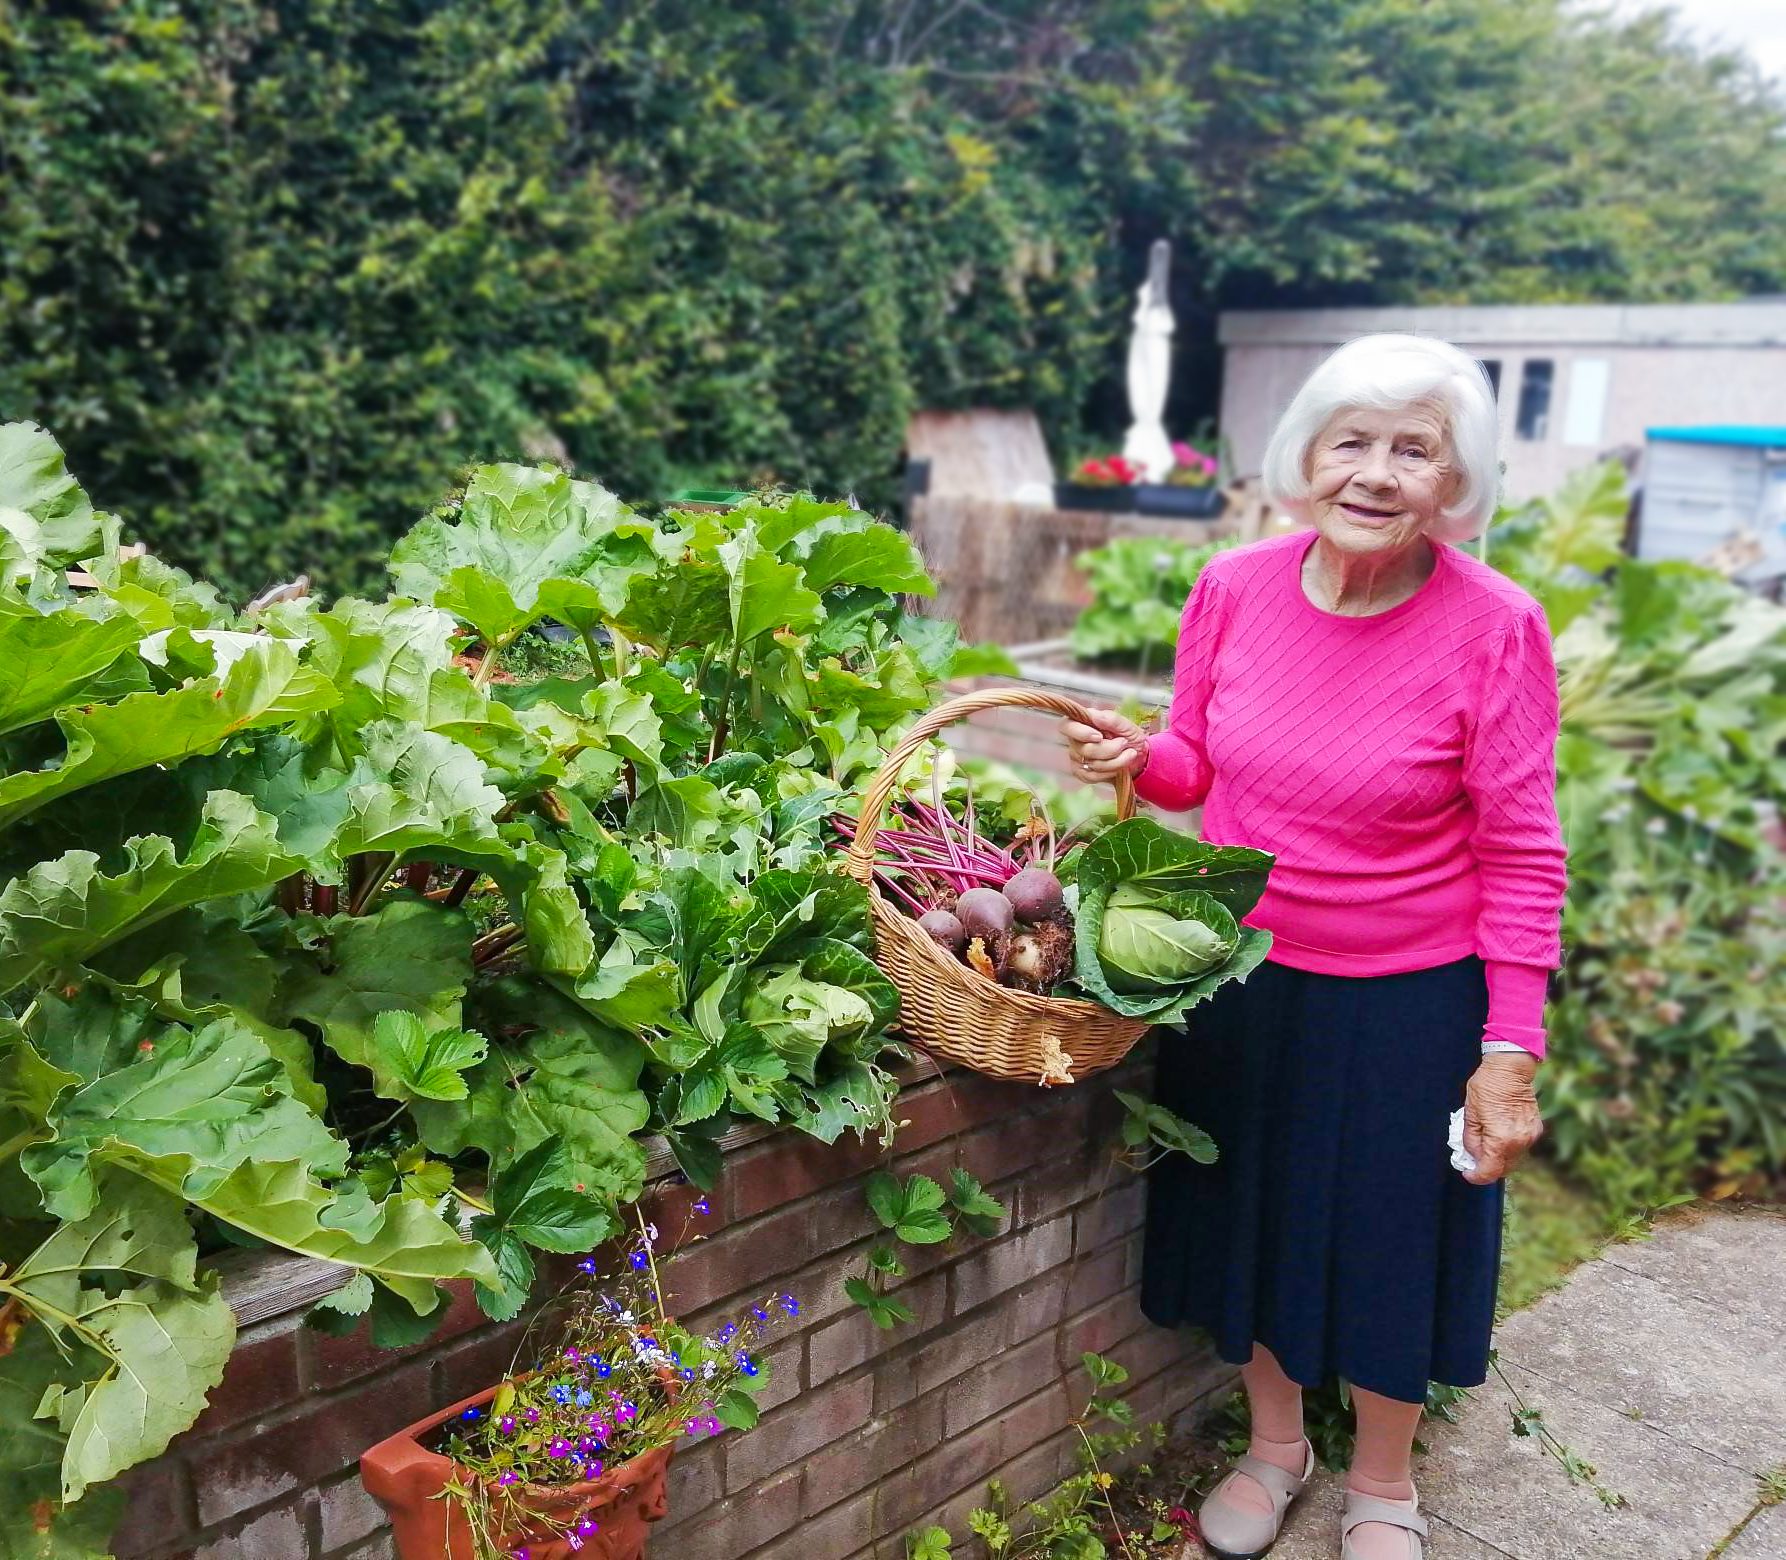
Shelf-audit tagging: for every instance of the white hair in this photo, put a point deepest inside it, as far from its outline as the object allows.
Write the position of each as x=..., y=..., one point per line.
x=1388, y=372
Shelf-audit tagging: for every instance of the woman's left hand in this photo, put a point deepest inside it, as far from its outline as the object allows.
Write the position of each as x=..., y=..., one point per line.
x=1501, y=1119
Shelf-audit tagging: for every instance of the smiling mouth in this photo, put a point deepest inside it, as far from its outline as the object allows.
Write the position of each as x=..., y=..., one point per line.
x=1366, y=512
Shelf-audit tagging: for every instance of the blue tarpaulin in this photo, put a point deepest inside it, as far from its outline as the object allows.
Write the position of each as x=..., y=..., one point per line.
x=1725, y=433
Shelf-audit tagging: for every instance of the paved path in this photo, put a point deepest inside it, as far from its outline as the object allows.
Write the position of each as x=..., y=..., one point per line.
x=1663, y=1364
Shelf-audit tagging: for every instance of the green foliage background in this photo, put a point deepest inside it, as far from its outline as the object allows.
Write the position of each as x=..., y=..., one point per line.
x=275, y=271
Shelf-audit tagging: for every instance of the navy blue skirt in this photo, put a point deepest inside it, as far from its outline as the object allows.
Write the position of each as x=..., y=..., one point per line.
x=1332, y=1228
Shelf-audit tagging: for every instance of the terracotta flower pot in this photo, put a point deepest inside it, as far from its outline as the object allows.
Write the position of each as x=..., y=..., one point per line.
x=406, y=1478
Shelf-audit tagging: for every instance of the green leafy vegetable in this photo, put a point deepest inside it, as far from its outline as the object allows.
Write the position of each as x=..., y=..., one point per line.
x=1156, y=929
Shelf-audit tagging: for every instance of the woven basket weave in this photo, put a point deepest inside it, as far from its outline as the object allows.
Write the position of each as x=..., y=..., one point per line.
x=954, y=1011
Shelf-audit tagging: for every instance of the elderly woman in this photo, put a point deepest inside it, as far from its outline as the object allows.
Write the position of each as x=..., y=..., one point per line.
x=1379, y=711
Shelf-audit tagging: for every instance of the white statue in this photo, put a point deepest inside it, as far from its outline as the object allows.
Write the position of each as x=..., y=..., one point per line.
x=1150, y=370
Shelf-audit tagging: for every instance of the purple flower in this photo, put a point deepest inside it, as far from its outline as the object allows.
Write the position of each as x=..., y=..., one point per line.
x=587, y=1265
x=572, y=1355
x=592, y=1469
x=703, y=1207
x=507, y=1477
x=639, y=1261
x=532, y=1416
x=790, y=1305
x=746, y=1363
x=506, y=1424
x=560, y=1447
x=588, y=1525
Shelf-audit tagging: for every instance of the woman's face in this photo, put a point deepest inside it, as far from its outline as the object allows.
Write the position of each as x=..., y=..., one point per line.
x=1379, y=479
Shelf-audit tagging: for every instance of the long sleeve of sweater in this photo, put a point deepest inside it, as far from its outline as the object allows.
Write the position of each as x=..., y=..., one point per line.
x=1510, y=776
x=1177, y=774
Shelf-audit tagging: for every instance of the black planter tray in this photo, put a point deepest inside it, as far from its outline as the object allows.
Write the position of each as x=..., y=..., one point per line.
x=1142, y=498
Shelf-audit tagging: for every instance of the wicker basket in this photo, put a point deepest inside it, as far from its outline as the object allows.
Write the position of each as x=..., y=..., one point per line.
x=954, y=1011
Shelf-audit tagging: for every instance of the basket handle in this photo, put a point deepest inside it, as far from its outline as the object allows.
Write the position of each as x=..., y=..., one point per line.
x=860, y=860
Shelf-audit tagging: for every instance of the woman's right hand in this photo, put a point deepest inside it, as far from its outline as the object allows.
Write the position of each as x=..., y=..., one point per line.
x=1104, y=745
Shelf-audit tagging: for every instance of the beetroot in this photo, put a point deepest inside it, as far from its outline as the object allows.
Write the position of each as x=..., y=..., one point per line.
x=1039, y=958
x=945, y=930
x=984, y=911
x=1035, y=895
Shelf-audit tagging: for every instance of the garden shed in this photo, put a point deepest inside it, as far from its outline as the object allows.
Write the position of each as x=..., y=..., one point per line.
x=1708, y=486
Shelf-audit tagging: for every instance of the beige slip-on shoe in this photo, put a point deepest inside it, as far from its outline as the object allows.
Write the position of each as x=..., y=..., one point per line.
x=1368, y=1508
x=1233, y=1533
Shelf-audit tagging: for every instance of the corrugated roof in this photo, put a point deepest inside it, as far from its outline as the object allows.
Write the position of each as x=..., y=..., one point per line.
x=1724, y=433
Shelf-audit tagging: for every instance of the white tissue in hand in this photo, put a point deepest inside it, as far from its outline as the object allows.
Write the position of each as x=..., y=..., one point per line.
x=1461, y=1158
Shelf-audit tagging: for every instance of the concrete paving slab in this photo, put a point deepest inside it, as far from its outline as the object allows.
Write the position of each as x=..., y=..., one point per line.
x=1664, y=1365
x=1504, y=1490
x=1708, y=1376
x=1734, y=1259
x=1763, y=1539
x=1312, y=1530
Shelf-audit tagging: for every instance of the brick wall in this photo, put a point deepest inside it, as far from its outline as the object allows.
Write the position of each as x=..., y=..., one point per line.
x=866, y=1434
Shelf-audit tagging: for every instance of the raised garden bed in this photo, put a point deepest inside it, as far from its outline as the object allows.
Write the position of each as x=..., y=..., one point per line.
x=866, y=1434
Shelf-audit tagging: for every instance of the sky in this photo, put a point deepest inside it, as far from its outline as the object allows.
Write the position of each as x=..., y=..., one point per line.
x=1759, y=26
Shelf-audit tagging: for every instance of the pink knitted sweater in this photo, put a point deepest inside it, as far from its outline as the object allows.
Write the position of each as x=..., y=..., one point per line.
x=1401, y=767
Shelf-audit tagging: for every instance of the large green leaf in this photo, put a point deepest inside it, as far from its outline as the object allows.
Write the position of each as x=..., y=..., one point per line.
x=637, y=994
x=430, y=797
x=1140, y=851
x=29, y=1084
x=264, y=686
x=537, y=883
x=685, y=812
x=136, y=1228
x=63, y=911
x=167, y=1350
x=382, y=658
x=215, y=1096
x=402, y=1241
x=49, y=658
x=584, y=1088
x=686, y=603
x=35, y=482
x=196, y=968
x=517, y=527
x=762, y=592
x=868, y=553
x=408, y=956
